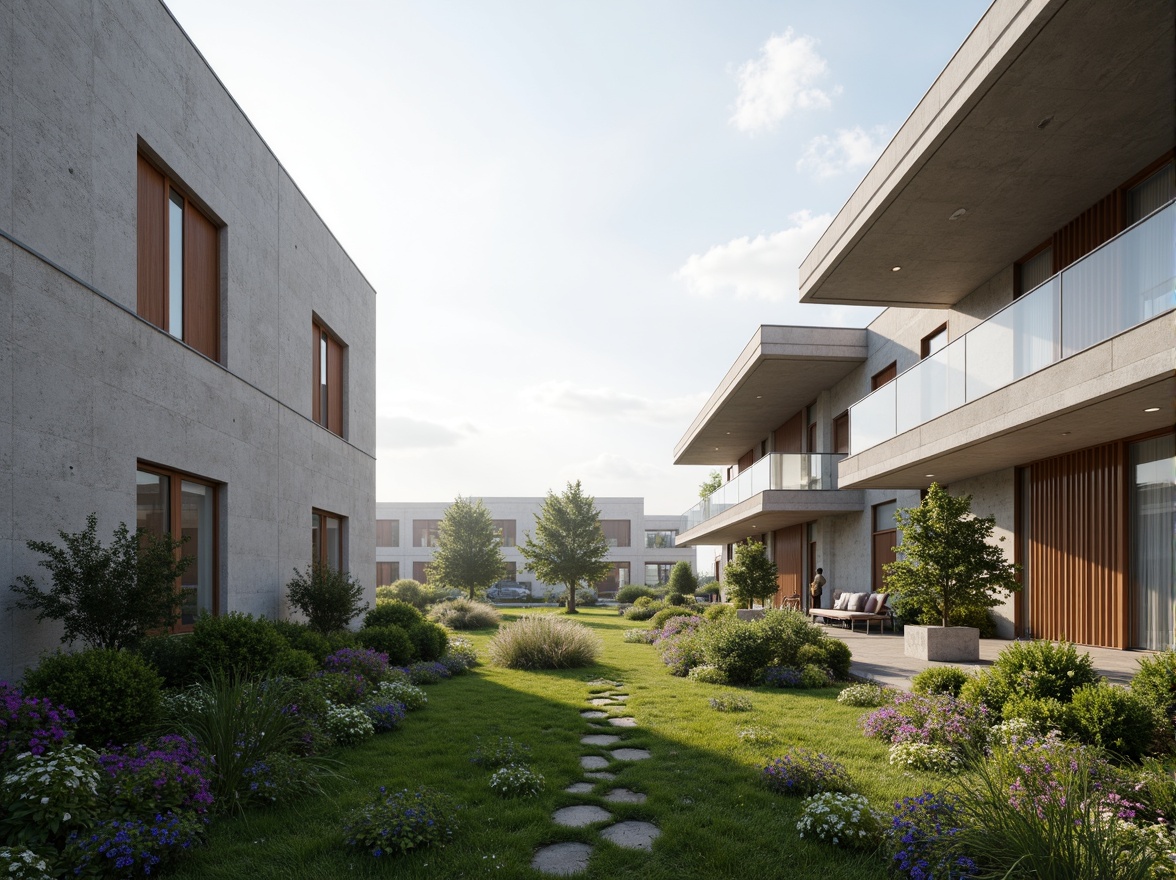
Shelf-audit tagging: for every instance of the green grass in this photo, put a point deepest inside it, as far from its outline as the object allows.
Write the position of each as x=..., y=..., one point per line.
x=717, y=821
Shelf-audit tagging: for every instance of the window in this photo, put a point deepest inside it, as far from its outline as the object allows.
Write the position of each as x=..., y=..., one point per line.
x=657, y=574
x=660, y=539
x=841, y=433
x=614, y=580
x=616, y=532
x=1033, y=270
x=512, y=572
x=387, y=533
x=326, y=539
x=506, y=528
x=1154, y=192
x=426, y=532
x=166, y=502
x=933, y=341
x=178, y=275
x=327, y=404
x=884, y=375
x=387, y=573
x=420, y=572
x=884, y=539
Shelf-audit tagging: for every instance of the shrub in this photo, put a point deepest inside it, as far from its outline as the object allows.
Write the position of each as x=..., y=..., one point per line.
x=329, y=598
x=866, y=695
x=646, y=601
x=786, y=632
x=428, y=673
x=640, y=636
x=676, y=599
x=920, y=837
x=393, y=613
x=18, y=863
x=584, y=596
x=739, y=649
x=679, y=644
x=813, y=676
x=803, y=772
x=632, y=592
x=1155, y=682
x=460, y=656
x=840, y=819
x=168, y=775
x=429, y=639
x=707, y=675
x=783, y=677
x=937, y=719
x=398, y=822
x=1044, y=669
x=465, y=614
x=1039, y=713
x=372, y=665
x=110, y=597
x=1112, y=718
x=290, y=663
x=30, y=724
x=131, y=846
x=682, y=579
x=115, y=694
x=659, y=620
x=500, y=753
x=44, y=796
x=644, y=612
x=235, y=644
x=940, y=680
x=301, y=637
x=730, y=704
x=831, y=654
x=405, y=590
x=408, y=695
x=515, y=781
x=719, y=610
x=544, y=642
x=348, y=725
x=392, y=641
x=173, y=657
x=924, y=756
x=341, y=688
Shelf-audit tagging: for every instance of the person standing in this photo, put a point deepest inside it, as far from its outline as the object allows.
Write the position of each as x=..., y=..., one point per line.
x=816, y=588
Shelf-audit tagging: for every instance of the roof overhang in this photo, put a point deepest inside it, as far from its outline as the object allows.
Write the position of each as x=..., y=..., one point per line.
x=1047, y=107
x=779, y=371
x=769, y=511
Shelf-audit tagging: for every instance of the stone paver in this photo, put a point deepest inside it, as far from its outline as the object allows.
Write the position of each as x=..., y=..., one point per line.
x=599, y=739
x=593, y=762
x=625, y=796
x=622, y=722
x=601, y=774
x=632, y=834
x=593, y=713
x=580, y=788
x=562, y=859
x=579, y=816
x=630, y=754
x=603, y=701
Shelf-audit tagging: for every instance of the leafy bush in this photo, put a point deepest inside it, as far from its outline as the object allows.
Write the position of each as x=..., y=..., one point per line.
x=405, y=590
x=829, y=653
x=329, y=598
x=110, y=597
x=348, y=725
x=739, y=649
x=682, y=579
x=937, y=719
x=398, y=822
x=544, y=642
x=149, y=778
x=341, y=688
x=429, y=639
x=115, y=694
x=393, y=613
x=235, y=644
x=840, y=819
x=408, y=695
x=500, y=753
x=783, y=677
x=172, y=656
x=392, y=641
x=676, y=599
x=515, y=781
x=804, y=772
x=866, y=695
x=924, y=756
x=813, y=676
x=632, y=592
x=659, y=620
x=372, y=665
x=1042, y=669
x=940, y=680
x=131, y=847
x=707, y=675
x=1039, y=713
x=730, y=704
x=44, y=796
x=719, y=610
x=301, y=637
x=465, y=614
x=30, y=724
x=290, y=663
x=1112, y=718
x=644, y=611
x=786, y=632
x=1155, y=682
x=460, y=652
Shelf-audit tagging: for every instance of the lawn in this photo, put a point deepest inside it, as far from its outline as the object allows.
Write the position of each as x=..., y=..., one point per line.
x=702, y=782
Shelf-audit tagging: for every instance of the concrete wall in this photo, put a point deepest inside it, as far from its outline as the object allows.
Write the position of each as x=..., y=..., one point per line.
x=88, y=389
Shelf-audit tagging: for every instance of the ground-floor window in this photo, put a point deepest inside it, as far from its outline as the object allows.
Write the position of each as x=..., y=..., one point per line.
x=184, y=506
x=1151, y=483
x=387, y=573
x=614, y=580
x=657, y=574
x=420, y=572
x=326, y=539
x=884, y=540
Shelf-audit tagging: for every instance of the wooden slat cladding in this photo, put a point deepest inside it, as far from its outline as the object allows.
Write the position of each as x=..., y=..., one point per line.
x=788, y=549
x=746, y=460
x=1097, y=224
x=788, y=437
x=1077, y=553
x=201, y=283
x=151, y=257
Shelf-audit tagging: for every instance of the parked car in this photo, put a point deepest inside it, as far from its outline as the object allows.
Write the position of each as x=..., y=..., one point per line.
x=508, y=590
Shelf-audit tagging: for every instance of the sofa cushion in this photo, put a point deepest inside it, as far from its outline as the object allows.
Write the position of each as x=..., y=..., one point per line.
x=882, y=598
x=857, y=601
x=872, y=604
x=841, y=602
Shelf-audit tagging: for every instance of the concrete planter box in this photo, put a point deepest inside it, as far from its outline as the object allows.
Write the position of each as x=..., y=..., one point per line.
x=953, y=644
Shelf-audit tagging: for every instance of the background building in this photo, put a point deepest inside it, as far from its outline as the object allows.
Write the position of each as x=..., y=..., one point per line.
x=642, y=546
x=1020, y=231
x=183, y=344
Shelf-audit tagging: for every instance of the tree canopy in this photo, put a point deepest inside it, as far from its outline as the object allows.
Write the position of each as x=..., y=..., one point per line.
x=710, y=485
x=682, y=579
x=947, y=561
x=469, y=548
x=568, y=546
x=751, y=576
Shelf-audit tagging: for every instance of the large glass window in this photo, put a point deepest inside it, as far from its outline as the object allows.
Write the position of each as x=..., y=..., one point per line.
x=614, y=580
x=326, y=539
x=387, y=573
x=657, y=574
x=1152, y=484
x=506, y=528
x=660, y=539
x=387, y=533
x=616, y=532
x=426, y=532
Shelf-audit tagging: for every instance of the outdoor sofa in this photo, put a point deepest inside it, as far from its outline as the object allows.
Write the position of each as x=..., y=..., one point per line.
x=852, y=607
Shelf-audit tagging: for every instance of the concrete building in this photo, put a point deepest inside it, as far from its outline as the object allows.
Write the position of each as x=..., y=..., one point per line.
x=1019, y=229
x=183, y=343
x=642, y=546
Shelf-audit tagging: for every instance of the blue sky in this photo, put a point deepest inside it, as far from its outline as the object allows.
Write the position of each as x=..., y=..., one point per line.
x=575, y=213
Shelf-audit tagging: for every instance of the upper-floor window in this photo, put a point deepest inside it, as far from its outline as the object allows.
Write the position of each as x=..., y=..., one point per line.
x=506, y=528
x=178, y=275
x=426, y=532
x=326, y=539
x=660, y=538
x=933, y=341
x=387, y=533
x=616, y=532
x=327, y=405
x=884, y=375
x=841, y=433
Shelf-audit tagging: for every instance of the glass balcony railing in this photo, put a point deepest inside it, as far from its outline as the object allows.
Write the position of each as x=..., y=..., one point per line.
x=777, y=470
x=1128, y=280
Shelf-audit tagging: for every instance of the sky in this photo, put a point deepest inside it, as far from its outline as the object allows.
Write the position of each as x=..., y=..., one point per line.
x=575, y=214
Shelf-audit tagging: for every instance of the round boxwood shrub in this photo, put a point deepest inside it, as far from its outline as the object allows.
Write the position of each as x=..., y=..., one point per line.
x=301, y=637
x=675, y=599
x=172, y=657
x=659, y=620
x=718, y=610
x=405, y=590
x=390, y=640
x=1112, y=718
x=292, y=663
x=831, y=654
x=341, y=638
x=1155, y=682
x=737, y=648
x=115, y=694
x=643, y=610
x=429, y=639
x=393, y=613
x=1044, y=669
x=940, y=680
x=235, y=645
x=630, y=593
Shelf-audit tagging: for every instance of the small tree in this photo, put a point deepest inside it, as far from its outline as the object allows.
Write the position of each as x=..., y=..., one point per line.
x=569, y=546
x=751, y=576
x=947, y=562
x=329, y=598
x=710, y=485
x=682, y=579
x=110, y=597
x=469, y=548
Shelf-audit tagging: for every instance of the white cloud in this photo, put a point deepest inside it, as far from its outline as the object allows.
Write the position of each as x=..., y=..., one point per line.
x=608, y=402
x=849, y=149
x=782, y=79
x=764, y=267
x=610, y=470
x=402, y=432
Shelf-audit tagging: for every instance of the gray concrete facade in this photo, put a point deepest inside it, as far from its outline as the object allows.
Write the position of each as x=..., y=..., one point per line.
x=88, y=389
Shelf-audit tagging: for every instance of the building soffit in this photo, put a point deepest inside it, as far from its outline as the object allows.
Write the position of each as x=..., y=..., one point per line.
x=781, y=370
x=1047, y=106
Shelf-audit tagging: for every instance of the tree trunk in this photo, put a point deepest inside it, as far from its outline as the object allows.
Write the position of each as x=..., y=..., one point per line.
x=572, y=599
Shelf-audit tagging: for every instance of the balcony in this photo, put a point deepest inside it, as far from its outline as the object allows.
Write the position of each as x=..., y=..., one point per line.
x=779, y=490
x=1115, y=290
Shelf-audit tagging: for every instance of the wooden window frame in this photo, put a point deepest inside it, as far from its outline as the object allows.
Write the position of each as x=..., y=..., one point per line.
x=840, y=431
x=392, y=533
x=319, y=550
x=329, y=371
x=884, y=376
x=925, y=342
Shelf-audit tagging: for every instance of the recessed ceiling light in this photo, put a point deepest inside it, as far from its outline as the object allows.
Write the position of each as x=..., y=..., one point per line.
x=896, y=268
x=1067, y=433
x=759, y=397
x=1152, y=409
x=1045, y=122
x=958, y=213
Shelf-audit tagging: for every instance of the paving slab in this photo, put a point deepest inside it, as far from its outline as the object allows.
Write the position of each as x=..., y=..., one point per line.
x=562, y=859
x=624, y=796
x=580, y=787
x=599, y=739
x=603, y=701
x=593, y=713
x=632, y=834
x=593, y=762
x=623, y=722
x=601, y=774
x=579, y=816
x=630, y=754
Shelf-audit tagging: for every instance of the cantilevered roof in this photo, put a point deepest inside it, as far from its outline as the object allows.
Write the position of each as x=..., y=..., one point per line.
x=771, y=510
x=779, y=371
x=1047, y=106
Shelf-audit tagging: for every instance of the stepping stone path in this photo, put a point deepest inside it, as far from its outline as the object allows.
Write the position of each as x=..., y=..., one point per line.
x=566, y=859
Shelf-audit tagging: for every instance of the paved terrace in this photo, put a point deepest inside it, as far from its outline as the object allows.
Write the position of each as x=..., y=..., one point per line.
x=880, y=656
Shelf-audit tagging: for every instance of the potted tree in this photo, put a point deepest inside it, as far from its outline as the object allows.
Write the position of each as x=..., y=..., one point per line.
x=947, y=562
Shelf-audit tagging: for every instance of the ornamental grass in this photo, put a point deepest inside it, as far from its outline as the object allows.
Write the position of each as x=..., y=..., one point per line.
x=543, y=641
